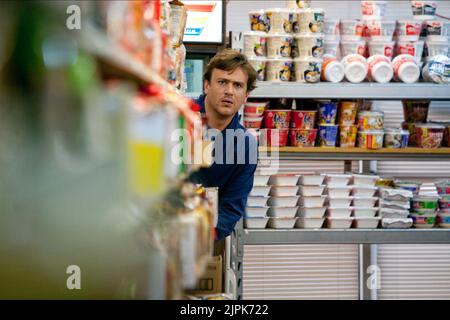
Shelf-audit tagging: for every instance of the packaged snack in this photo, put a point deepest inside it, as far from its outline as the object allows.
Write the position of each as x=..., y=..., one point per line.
x=347, y=135
x=303, y=137
x=327, y=112
x=309, y=45
x=277, y=119
x=429, y=135
x=347, y=112
x=370, y=139
x=411, y=128
x=370, y=120
x=279, y=20
x=437, y=70
x=254, y=44
x=278, y=70
x=396, y=138
x=279, y=45
x=303, y=119
x=258, y=21
x=416, y=110
x=259, y=64
x=311, y=20
x=307, y=69
x=328, y=135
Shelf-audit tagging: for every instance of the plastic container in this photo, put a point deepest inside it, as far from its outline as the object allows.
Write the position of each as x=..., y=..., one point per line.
x=385, y=48
x=446, y=140
x=443, y=187
x=312, y=212
x=416, y=110
x=332, y=27
x=365, y=202
x=414, y=187
x=373, y=9
x=424, y=222
x=361, y=212
x=301, y=4
x=313, y=180
x=310, y=223
x=281, y=223
x=347, y=136
x=339, y=202
x=355, y=67
x=351, y=29
x=252, y=123
x=396, y=223
x=436, y=30
x=282, y=212
x=438, y=47
x=332, y=47
x=258, y=21
x=444, y=219
x=273, y=137
x=312, y=202
x=311, y=20
x=259, y=64
x=332, y=70
x=310, y=45
x=422, y=202
x=339, y=191
x=337, y=180
x=339, y=212
x=437, y=70
x=423, y=10
x=279, y=20
x=279, y=70
x=255, y=223
x=277, y=119
x=283, y=201
x=353, y=47
x=284, y=180
x=279, y=45
x=328, y=135
x=411, y=128
x=408, y=30
x=365, y=180
x=303, y=137
x=413, y=48
x=311, y=190
x=254, y=44
x=370, y=120
x=259, y=201
x=370, y=139
x=367, y=223
x=307, y=69
x=327, y=112
x=339, y=223
x=405, y=69
x=256, y=212
x=347, y=113
x=364, y=191
x=381, y=30
x=380, y=69
x=285, y=191
x=396, y=138
x=303, y=119
x=260, y=191
x=260, y=180
x=429, y=135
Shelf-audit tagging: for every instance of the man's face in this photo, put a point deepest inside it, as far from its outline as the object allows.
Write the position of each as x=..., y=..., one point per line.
x=227, y=91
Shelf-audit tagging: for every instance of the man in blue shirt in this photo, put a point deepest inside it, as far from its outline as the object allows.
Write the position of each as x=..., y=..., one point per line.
x=227, y=82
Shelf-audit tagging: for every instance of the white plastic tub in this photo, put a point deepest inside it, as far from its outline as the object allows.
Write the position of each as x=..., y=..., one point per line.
x=311, y=180
x=340, y=202
x=281, y=223
x=337, y=180
x=282, y=212
x=257, y=201
x=284, y=180
x=339, y=191
x=256, y=223
x=312, y=202
x=438, y=48
x=311, y=212
x=256, y=212
x=311, y=191
x=367, y=223
x=366, y=180
x=309, y=223
x=339, y=223
x=283, y=201
x=260, y=180
x=361, y=212
x=260, y=191
x=364, y=191
x=396, y=223
x=287, y=191
x=364, y=201
x=335, y=212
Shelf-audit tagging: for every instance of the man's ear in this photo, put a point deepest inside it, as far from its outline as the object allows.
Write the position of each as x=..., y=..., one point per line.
x=206, y=86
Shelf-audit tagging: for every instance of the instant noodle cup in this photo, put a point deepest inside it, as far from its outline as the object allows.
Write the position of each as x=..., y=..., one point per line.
x=440, y=47
x=416, y=110
x=411, y=128
x=328, y=135
x=303, y=119
x=259, y=64
x=380, y=69
x=279, y=20
x=353, y=47
x=332, y=70
x=279, y=69
x=446, y=140
x=309, y=45
x=277, y=119
x=381, y=30
x=385, y=48
x=429, y=135
x=273, y=137
x=279, y=45
x=405, y=68
x=327, y=112
x=252, y=123
x=351, y=29
x=307, y=69
x=332, y=27
x=303, y=137
x=311, y=20
x=332, y=48
x=423, y=10
x=258, y=20
x=301, y=4
x=443, y=187
x=255, y=108
x=370, y=121
x=396, y=138
x=347, y=136
x=373, y=9
x=254, y=44
x=408, y=30
x=413, y=48
x=347, y=113
x=372, y=139
x=437, y=30
x=355, y=67
x=437, y=70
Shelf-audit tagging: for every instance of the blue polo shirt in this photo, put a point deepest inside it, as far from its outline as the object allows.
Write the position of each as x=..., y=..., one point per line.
x=232, y=172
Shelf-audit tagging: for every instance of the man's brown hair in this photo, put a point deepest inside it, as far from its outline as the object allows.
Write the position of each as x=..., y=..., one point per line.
x=230, y=60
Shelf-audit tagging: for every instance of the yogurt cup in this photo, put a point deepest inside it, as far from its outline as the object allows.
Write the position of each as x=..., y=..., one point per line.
x=436, y=30
x=443, y=187
x=351, y=29
x=355, y=67
x=303, y=119
x=373, y=9
x=347, y=136
x=437, y=70
x=327, y=112
x=258, y=21
x=279, y=70
x=332, y=47
x=254, y=44
x=259, y=64
x=435, y=48
x=405, y=69
x=381, y=30
x=279, y=45
x=301, y=4
x=347, y=113
x=353, y=47
x=332, y=27
x=385, y=48
x=303, y=137
x=413, y=48
x=429, y=135
x=408, y=30
x=309, y=45
x=423, y=10
x=328, y=135
x=370, y=139
x=332, y=70
x=371, y=121
x=307, y=70
x=279, y=20
x=311, y=20
x=273, y=137
x=277, y=119
x=427, y=203
x=380, y=69
x=396, y=138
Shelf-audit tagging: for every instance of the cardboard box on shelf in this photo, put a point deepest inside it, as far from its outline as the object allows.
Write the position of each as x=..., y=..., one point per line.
x=211, y=280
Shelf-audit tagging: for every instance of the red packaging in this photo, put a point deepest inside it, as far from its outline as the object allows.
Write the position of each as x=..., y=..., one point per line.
x=429, y=135
x=273, y=137
x=277, y=119
x=303, y=138
x=303, y=119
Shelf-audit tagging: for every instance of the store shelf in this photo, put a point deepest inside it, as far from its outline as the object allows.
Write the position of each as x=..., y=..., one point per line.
x=348, y=236
x=345, y=90
x=317, y=153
